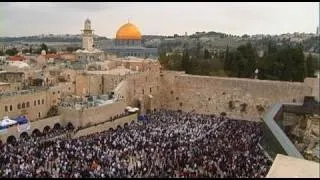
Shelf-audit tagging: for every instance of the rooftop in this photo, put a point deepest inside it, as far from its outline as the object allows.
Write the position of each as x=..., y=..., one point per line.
x=117, y=71
x=291, y=167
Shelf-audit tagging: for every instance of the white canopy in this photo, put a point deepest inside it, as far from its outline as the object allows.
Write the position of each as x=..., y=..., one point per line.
x=7, y=122
x=128, y=107
x=133, y=109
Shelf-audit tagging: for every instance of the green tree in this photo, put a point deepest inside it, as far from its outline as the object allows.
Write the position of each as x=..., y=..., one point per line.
x=310, y=67
x=12, y=52
x=206, y=54
x=43, y=47
x=164, y=60
x=186, y=63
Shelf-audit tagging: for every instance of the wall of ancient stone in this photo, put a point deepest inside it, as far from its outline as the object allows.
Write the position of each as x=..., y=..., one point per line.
x=144, y=87
x=40, y=125
x=88, y=84
x=107, y=125
x=238, y=97
x=85, y=116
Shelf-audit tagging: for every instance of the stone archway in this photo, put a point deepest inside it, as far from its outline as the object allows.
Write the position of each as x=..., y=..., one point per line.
x=111, y=129
x=36, y=132
x=136, y=103
x=70, y=126
x=57, y=126
x=46, y=130
x=24, y=135
x=11, y=140
x=119, y=127
x=125, y=125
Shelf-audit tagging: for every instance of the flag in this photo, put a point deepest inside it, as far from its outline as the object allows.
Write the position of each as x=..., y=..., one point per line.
x=3, y=129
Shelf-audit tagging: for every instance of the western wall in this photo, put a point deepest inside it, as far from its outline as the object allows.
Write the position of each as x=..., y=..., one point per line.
x=239, y=98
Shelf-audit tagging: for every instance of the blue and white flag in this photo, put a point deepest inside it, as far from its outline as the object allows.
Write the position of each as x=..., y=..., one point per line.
x=4, y=129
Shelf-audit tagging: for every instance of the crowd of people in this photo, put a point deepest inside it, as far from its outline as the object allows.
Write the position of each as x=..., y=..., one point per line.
x=166, y=144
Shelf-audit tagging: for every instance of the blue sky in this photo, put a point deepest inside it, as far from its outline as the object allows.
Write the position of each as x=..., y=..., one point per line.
x=158, y=18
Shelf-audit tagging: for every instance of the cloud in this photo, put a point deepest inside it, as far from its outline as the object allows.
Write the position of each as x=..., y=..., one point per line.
x=84, y=6
x=167, y=18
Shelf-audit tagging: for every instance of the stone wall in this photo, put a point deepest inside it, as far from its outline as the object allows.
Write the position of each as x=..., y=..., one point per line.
x=238, y=97
x=39, y=125
x=106, y=126
x=144, y=87
x=86, y=116
x=88, y=84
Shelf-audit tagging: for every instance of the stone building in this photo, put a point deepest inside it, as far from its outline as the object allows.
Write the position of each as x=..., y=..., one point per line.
x=88, y=53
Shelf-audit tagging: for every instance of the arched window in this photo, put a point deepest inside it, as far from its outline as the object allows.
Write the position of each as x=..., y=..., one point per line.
x=42, y=101
x=38, y=101
x=34, y=102
x=19, y=106
x=28, y=104
x=23, y=105
x=10, y=107
x=6, y=108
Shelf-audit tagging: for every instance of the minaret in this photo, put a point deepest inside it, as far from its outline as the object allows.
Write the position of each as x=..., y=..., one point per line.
x=87, y=36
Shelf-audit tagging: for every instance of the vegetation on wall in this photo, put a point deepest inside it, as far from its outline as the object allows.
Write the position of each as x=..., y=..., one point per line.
x=286, y=62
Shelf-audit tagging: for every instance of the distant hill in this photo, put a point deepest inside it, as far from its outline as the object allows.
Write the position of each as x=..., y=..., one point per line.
x=48, y=38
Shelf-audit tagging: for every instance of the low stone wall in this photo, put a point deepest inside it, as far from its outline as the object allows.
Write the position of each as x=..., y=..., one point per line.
x=107, y=125
x=39, y=124
x=92, y=115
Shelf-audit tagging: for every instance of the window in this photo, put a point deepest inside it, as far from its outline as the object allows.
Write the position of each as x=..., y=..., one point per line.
x=28, y=104
x=53, y=93
x=39, y=114
x=150, y=90
x=142, y=91
x=19, y=106
x=38, y=101
x=42, y=101
x=6, y=108
x=58, y=92
x=23, y=105
x=10, y=107
x=34, y=102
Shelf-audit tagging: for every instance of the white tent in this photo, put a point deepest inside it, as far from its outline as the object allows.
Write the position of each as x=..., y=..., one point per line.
x=128, y=107
x=7, y=122
x=133, y=109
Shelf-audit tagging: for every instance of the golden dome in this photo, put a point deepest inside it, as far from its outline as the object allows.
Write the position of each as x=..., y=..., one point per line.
x=128, y=31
